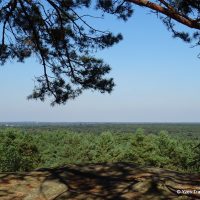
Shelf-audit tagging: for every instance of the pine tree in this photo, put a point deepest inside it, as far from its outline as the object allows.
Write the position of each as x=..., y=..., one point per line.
x=65, y=43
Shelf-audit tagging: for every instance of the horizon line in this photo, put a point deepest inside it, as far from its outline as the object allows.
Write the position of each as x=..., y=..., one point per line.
x=101, y=122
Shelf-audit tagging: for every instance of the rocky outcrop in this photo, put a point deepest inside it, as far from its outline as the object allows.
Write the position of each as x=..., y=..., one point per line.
x=99, y=182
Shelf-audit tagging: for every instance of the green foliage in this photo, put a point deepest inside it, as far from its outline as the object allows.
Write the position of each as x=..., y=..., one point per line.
x=18, y=152
x=107, y=148
x=24, y=150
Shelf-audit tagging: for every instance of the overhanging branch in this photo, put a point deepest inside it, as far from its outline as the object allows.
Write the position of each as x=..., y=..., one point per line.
x=172, y=13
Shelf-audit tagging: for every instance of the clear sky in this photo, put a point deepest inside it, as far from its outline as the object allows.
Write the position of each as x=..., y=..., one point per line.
x=157, y=80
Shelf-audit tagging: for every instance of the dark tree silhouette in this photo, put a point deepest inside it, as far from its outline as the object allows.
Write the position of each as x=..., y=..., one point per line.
x=62, y=40
x=65, y=43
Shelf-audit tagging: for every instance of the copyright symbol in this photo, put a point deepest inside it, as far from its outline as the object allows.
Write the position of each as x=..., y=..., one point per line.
x=178, y=192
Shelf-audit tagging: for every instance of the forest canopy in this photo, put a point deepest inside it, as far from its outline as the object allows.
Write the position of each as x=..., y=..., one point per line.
x=65, y=42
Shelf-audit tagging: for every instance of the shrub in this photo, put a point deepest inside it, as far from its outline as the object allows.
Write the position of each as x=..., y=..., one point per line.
x=18, y=152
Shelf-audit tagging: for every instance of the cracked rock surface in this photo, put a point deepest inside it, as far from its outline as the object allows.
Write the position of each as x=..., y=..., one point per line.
x=99, y=182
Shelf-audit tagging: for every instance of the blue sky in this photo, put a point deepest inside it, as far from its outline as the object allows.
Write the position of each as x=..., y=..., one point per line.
x=157, y=80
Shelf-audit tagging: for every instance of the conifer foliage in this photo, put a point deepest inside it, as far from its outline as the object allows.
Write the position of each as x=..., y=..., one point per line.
x=62, y=40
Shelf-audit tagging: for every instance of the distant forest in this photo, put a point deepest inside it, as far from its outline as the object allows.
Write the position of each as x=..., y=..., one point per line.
x=28, y=146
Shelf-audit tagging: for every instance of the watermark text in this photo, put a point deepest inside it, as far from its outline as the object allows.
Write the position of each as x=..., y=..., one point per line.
x=188, y=192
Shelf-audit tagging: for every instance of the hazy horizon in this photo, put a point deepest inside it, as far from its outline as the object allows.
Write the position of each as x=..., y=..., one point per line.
x=98, y=122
